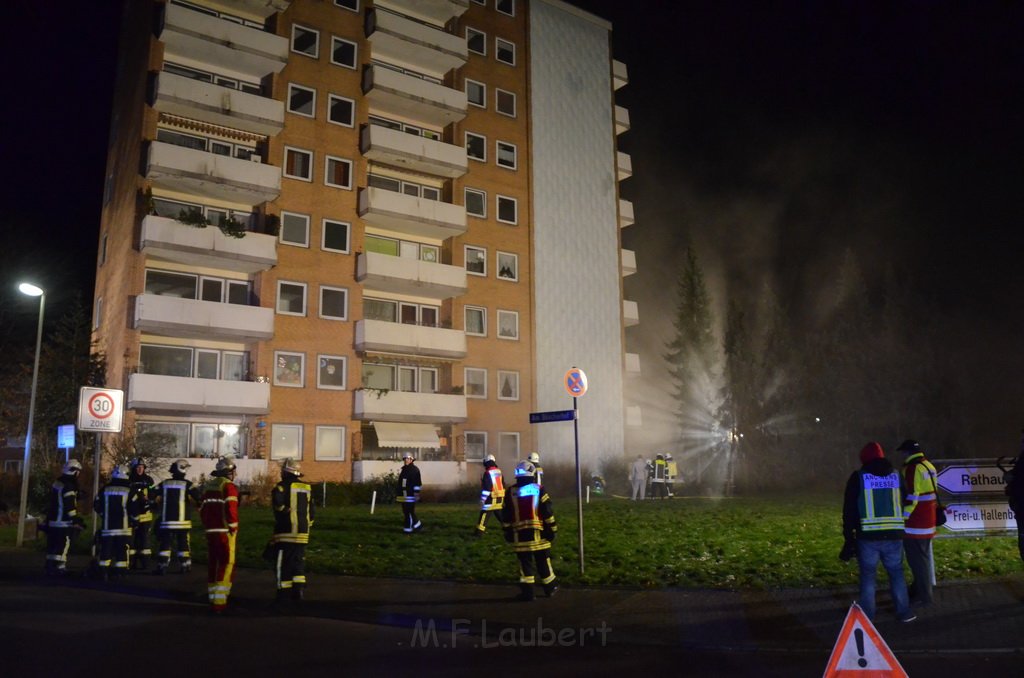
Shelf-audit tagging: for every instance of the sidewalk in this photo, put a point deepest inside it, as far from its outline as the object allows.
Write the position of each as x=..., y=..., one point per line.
x=970, y=617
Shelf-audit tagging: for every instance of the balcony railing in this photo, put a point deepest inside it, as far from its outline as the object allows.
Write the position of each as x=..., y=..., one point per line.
x=258, y=8
x=399, y=275
x=620, y=74
x=405, y=406
x=417, y=217
x=175, y=317
x=623, y=165
x=625, y=213
x=628, y=262
x=178, y=95
x=416, y=153
x=379, y=336
x=632, y=364
x=621, y=120
x=434, y=11
x=399, y=94
x=396, y=38
x=206, y=174
x=630, y=313
x=170, y=240
x=184, y=395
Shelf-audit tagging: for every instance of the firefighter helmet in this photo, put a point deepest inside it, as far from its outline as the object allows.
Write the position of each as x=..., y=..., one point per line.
x=119, y=473
x=291, y=467
x=525, y=468
x=909, y=446
x=179, y=467
x=489, y=457
x=72, y=467
x=137, y=462
x=407, y=455
x=225, y=464
x=534, y=458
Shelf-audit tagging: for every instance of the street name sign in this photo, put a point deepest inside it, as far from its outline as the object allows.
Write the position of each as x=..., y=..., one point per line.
x=980, y=517
x=972, y=479
x=554, y=415
x=100, y=409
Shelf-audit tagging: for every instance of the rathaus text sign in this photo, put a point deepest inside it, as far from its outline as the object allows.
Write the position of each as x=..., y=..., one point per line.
x=972, y=479
x=973, y=491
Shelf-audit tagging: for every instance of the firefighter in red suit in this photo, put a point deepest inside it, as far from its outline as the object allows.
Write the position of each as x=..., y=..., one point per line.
x=492, y=493
x=529, y=524
x=219, y=512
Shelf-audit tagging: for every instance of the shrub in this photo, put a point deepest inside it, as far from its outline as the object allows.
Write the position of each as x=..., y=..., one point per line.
x=257, y=491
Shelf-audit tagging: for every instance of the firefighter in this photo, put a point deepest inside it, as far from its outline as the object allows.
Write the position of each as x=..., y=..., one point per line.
x=671, y=473
x=919, y=479
x=658, y=481
x=492, y=493
x=534, y=459
x=219, y=512
x=292, y=501
x=409, y=486
x=174, y=498
x=112, y=506
x=529, y=523
x=140, y=507
x=62, y=519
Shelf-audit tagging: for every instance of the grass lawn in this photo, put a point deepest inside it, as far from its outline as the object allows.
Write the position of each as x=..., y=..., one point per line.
x=723, y=543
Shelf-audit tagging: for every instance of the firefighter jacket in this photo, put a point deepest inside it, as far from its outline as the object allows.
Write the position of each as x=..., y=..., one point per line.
x=62, y=508
x=660, y=470
x=538, y=473
x=919, y=505
x=873, y=506
x=292, y=500
x=409, y=483
x=112, y=506
x=671, y=471
x=174, y=498
x=140, y=500
x=528, y=518
x=492, y=488
x=219, y=505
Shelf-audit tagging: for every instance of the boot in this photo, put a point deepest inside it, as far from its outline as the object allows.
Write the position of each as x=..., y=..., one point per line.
x=525, y=593
x=550, y=589
x=161, y=569
x=186, y=566
x=297, y=591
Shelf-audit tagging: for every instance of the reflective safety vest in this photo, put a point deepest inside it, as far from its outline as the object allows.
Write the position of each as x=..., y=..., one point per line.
x=919, y=509
x=528, y=518
x=879, y=503
x=293, y=511
x=112, y=505
x=63, y=506
x=492, y=496
x=175, y=511
x=659, y=470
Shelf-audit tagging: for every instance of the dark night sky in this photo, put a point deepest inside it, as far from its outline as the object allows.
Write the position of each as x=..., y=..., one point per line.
x=774, y=135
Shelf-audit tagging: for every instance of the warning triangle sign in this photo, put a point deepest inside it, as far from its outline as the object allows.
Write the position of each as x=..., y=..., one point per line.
x=860, y=651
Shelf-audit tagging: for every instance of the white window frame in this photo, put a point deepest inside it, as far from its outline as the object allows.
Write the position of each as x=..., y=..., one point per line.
x=499, y=10
x=294, y=428
x=497, y=154
x=483, y=93
x=330, y=288
x=484, y=145
x=355, y=53
x=323, y=235
x=327, y=165
x=512, y=434
x=465, y=390
x=483, y=316
x=330, y=98
x=497, y=98
x=497, y=209
x=483, y=453
x=466, y=250
x=301, y=151
x=344, y=372
x=294, y=86
x=291, y=43
x=497, y=266
x=280, y=235
x=497, y=51
x=498, y=385
x=326, y=457
x=484, y=35
x=483, y=201
x=305, y=297
x=302, y=369
x=498, y=333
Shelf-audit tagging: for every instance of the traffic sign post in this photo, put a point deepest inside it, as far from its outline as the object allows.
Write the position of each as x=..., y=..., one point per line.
x=575, y=381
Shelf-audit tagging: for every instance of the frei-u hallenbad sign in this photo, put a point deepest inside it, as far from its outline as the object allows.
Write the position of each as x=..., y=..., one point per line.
x=978, y=504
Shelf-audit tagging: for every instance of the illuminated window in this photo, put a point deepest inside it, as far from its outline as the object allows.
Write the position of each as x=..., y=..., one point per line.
x=289, y=369
x=286, y=441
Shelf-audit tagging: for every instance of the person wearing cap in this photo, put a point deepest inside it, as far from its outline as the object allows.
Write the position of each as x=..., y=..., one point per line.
x=115, y=533
x=534, y=459
x=409, y=485
x=219, y=512
x=919, y=477
x=528, y=520
x=292, y=503
x=492, y=493
x=873, y=529
x=140, y=508
x=174, y=498
x=62, y=519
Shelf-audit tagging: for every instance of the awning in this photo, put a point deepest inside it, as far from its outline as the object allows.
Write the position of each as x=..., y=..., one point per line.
x=391, y=434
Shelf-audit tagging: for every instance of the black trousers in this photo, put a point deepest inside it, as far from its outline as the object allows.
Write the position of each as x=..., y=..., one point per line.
x=168, y=538
x=291, y=565
x=919, y=559
x=114, y=552
x=535, y=567
x=139, y=550
x=409, y=514
x=58, y=543
x=481, y=524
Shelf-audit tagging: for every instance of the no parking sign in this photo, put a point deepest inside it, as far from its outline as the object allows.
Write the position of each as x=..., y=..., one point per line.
x=100, y=409
x=575, y=382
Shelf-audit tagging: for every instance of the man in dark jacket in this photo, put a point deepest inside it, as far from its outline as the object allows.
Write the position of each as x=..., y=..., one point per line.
x=174, y=498
x=292, y=501
x=529, y=523
x=62, y=519
x=140, y=505
x=111, y=505
x=409, y=486
x=873, y=527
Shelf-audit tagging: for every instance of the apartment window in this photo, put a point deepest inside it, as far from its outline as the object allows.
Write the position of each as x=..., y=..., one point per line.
x=508, y=266
x=505, y=51
x=213, y=440
x=330, y=443
x=508, y=445
x=298, y=164
x=476, y=445
x=286, y=441
x=348, y=4
x=169, y=361
x=175, y=437
x=506, y=154
x=334, y=303
x=508, y=324
x=305, y=41
x=380, y=309
x=301, y=100
x=476, y=260
x=289, y=369
x=476, y=382
x=338, y=172
x=476, y=93
x=343, y=52
x=508, y=385
x=336, y=236
x=476, y=146
x=508, y=210
x=294, y=229
x=97, y=313
x=168, y=284
x=331, y=372
x=476, y=203
x=476, y=321
x=505, y=102
x=418, y=314
x=506, y=6
x=341, y=111
x=291, y=298
x=476, y=41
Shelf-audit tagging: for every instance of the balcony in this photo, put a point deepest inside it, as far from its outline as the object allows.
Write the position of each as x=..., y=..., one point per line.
x=434, y=11
x=193, y=36
x=397, y=94
x=630, y=313
x=628, y=262
x=633, y=364
x=254, y=8
x=183, y=395
x=398, y=39
x=399, y=275
x=178, y=95
x=379, y=336
x=177, y=317
x=168, y=240
x=625, y=213
x=623, y=165
x=620, y=75
x=405, y=406
x=209, y=175
x=417, y=217
x=621, y=120
x=412, y=152
x=634, y=418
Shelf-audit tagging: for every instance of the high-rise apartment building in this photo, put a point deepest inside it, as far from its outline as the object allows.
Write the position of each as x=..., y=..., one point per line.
x=340, y=229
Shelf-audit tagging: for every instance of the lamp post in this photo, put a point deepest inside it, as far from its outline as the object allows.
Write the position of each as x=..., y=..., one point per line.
x=32, y=291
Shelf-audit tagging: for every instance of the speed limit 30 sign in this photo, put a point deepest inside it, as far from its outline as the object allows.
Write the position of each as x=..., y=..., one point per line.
x=100, y=409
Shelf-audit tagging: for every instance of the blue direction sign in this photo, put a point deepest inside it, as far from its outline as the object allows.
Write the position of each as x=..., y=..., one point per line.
x=554, y=415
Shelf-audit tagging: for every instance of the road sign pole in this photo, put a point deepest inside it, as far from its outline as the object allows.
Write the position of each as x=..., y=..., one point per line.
x=579, y=482
x=96, y=483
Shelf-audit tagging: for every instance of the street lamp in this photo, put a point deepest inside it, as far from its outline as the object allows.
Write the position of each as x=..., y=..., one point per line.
x=32, y=291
